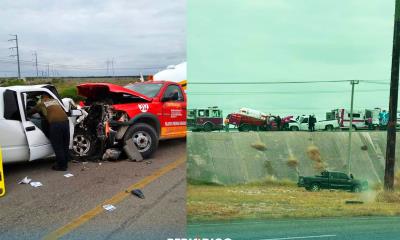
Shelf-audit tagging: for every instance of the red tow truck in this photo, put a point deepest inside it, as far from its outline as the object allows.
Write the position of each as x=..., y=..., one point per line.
x=252, y=120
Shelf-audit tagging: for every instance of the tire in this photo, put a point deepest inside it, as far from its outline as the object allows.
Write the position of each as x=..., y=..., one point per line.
x=356, y=189
x=145, y=138
x=208, y=127
x=329, y=128
x=244, y=128
x=84, y=145
x=314, y=187
x=308, y=188
x=294, y=128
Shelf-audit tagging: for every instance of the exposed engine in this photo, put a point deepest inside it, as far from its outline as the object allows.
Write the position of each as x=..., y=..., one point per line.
x=93, y=134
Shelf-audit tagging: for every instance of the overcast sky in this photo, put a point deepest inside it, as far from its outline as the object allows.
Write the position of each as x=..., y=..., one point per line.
x=289, y=40
x=77, y=37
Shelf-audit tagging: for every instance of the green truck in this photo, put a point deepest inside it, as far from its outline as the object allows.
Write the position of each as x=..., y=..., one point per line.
x=332, y=180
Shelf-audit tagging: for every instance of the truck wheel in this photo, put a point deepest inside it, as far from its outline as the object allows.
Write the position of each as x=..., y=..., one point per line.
x=208, y=127
x=83, y=145
x=145, y=138
x=244, y=128
x=356, y=189
x=329, y=128
x=314, y=188
x=294, y=128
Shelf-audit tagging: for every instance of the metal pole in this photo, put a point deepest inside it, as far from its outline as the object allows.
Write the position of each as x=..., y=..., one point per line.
x=352, y=82
x=19, y=68
x=394, y=86
x=36, y=64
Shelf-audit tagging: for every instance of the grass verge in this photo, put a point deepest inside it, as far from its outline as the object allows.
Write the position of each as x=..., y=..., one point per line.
x=276, y=200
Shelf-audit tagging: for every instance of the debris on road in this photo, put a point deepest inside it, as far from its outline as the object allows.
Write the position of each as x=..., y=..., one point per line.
x=111, y=154
x=68, y=175
x=132, y=152
x=109, y=207
x=149, y=162
x=36, y=184
x=26, y=180
x=138, y=193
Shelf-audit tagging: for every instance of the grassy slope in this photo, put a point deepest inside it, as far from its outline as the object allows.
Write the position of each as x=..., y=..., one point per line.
x=209, y=203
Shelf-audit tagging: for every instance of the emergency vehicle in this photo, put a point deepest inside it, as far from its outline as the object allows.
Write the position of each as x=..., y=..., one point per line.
x=360, y=117
x=205, y=119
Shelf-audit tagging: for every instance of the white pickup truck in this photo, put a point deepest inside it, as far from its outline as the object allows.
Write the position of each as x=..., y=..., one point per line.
x=22, y=137
x=301, y=124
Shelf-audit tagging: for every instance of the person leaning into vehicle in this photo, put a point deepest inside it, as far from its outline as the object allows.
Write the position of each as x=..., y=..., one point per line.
x=58, y=123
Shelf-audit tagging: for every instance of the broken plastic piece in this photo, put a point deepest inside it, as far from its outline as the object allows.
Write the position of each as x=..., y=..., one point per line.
x=132, y=152
x=68, y=175
x=36, y=184
x=138, y=193
x=26, y=180
x=109, y=207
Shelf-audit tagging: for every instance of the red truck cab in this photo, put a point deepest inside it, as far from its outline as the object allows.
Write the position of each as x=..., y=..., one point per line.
x=144, y=111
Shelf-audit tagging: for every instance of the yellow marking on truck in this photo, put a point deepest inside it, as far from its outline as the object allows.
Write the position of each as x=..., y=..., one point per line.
x=69, y=227
x=2, y=185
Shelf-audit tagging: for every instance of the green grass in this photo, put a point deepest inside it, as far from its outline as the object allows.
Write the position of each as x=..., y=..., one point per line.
x=65, y=87
x=271, y=200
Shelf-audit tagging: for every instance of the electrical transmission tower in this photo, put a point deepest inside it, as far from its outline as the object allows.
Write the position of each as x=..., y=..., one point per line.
x=16, y=55
x=36, y=64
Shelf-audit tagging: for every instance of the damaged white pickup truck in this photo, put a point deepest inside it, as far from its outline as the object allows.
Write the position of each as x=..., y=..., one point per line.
x=23, y=137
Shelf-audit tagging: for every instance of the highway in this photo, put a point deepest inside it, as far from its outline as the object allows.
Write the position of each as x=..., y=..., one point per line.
x=359, y=228
x=72, y=208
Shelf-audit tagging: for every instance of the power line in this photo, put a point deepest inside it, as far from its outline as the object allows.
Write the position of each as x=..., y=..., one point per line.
x=284, y=82
x=282, y=92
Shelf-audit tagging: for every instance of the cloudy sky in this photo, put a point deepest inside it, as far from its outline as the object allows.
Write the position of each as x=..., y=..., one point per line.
x=78, y=37
x=289, y=40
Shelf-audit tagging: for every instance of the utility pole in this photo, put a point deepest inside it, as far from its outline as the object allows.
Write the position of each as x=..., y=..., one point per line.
x=16, y=55
x=352, y=82
x=36, y=64
x=112, y=67
x=108, y=66
x=393, y=98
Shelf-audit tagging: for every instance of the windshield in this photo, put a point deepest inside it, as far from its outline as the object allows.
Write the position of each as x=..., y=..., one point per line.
x=147, y=89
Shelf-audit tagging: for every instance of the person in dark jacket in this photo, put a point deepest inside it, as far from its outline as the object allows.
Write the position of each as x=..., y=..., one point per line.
x=278, y=121
x=58, y=124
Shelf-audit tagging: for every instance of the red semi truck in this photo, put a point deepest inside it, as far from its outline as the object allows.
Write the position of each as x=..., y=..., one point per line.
x=252, y=120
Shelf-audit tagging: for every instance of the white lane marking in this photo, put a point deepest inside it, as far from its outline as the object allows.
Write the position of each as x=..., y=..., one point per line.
x=289, y=221
x=304, y=237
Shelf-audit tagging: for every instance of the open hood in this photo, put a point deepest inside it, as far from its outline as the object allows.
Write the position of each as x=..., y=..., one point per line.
x=91, y=90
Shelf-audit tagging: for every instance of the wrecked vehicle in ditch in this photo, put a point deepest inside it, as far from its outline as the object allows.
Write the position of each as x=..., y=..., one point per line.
x=144, y=112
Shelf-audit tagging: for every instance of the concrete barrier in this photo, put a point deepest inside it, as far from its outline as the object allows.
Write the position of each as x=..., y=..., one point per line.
x=229, y=158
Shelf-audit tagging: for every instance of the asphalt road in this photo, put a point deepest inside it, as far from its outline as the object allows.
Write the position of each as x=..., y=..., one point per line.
x=362, y=228
x=34, y=213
